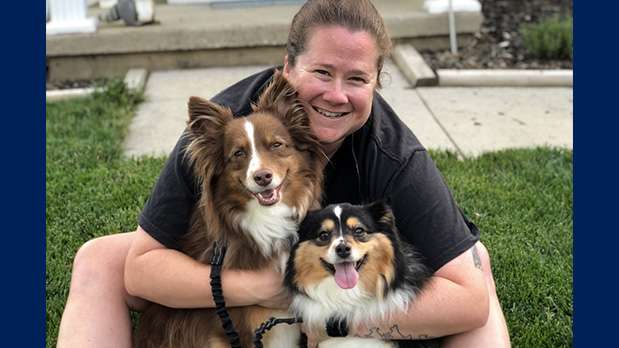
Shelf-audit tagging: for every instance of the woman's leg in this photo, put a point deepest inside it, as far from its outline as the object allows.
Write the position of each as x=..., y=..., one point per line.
x=97, y=310
x=494, y=334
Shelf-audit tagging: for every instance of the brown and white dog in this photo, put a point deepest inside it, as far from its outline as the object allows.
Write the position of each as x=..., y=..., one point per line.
x=259, y=176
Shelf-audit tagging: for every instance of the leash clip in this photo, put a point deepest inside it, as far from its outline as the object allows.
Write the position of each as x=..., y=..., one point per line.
x=219, y=252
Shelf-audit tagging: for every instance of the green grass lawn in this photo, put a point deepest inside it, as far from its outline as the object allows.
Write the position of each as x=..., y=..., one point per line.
x=520, y=199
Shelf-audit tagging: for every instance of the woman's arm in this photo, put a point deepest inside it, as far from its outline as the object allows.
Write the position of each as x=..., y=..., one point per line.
x=454, y=300
x=173, y=279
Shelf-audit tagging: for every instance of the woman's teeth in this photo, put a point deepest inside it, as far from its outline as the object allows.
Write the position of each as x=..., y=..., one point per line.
x=329, y=113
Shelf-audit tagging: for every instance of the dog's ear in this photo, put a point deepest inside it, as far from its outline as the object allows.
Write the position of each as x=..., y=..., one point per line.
x=279, y=96
x=205, y=116
x=282, y=99
x=382, y=214
x=205, y=130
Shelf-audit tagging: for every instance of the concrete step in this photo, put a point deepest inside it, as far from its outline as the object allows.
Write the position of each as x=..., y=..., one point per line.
x=198, y=36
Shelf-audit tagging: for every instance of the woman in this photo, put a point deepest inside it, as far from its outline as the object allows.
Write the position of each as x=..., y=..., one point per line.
x=335, y=53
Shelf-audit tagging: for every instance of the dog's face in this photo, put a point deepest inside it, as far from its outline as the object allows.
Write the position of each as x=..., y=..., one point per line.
x=268, y=157
x=350, y=245
x=260, y=157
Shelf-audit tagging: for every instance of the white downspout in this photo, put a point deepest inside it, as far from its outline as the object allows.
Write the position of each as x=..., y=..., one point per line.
x=69, y=16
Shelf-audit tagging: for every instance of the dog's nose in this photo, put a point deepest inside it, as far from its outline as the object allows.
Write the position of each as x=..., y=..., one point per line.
x=342, y=250
x=263, y=177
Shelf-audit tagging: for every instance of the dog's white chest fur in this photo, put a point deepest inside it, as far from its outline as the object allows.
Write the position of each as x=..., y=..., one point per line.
x=271, y=227
x=326, y=299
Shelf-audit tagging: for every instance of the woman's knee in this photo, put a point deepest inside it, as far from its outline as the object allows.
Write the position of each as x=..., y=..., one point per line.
x=98, y=270
x=100, y=262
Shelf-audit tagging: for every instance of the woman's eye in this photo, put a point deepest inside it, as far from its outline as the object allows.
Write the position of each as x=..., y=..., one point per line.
x=323, y=236
x=322, y=74
x=359, y=79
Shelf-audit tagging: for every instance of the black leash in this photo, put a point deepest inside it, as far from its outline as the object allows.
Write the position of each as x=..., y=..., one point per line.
x=268, y=325
x=219, y=251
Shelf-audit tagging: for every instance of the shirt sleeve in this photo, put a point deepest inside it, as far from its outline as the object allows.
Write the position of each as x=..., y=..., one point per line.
x=166, y=214
x=427, y=215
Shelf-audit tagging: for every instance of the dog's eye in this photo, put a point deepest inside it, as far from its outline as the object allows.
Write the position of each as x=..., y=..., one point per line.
x=239, y=153
x=359, y=231
x=323, y=236
x=276, y=145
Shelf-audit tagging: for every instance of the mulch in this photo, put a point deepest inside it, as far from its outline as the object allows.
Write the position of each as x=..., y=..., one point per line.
x=498, y=45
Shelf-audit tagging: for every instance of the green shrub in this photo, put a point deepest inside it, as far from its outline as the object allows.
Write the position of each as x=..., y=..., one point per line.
x=549, y=39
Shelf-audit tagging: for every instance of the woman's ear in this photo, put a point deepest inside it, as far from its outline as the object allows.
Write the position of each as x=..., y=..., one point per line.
x=286, y=69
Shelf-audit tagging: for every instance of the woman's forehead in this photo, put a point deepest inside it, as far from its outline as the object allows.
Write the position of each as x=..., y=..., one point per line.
x=332, y=46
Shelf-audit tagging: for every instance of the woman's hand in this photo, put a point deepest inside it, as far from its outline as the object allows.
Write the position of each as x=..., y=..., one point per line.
x=263, y=287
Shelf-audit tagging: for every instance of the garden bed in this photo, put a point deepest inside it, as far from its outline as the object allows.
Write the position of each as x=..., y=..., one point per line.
x=499, y=43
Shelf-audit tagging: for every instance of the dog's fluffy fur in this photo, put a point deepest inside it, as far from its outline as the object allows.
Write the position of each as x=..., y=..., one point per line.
x=350, y=265
x=259, y=176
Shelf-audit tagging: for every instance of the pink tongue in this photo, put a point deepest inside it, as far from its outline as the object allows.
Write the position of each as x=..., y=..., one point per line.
x=268, y=194
x=346, y=275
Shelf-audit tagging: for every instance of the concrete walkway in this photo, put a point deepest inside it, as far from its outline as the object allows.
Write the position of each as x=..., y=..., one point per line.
x=468, y=121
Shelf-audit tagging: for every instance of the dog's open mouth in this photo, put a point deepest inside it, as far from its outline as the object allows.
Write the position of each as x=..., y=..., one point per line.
x=268, y=197
x=346, y=274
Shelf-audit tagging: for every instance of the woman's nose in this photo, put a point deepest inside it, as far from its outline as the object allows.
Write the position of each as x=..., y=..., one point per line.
x=335, y=94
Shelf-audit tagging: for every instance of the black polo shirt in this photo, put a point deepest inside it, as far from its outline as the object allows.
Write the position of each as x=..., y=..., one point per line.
x=382, y=160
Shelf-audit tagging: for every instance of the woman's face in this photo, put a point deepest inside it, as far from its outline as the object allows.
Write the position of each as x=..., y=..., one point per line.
x=335, y=77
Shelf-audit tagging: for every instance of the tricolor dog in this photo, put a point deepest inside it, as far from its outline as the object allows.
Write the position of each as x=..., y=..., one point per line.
x=351, y=266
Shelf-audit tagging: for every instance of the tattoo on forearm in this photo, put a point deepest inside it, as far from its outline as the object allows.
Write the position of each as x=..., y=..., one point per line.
x=394, y=333
x=476, y=258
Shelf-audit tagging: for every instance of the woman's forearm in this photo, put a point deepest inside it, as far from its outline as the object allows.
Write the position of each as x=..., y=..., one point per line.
x=170, y=278
x=444, y=307
x=173, y=279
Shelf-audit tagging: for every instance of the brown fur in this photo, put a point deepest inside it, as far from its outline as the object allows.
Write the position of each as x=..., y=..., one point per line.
x=328, y=225
x=378, y=265
x=308, y=270
x=214, y=138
